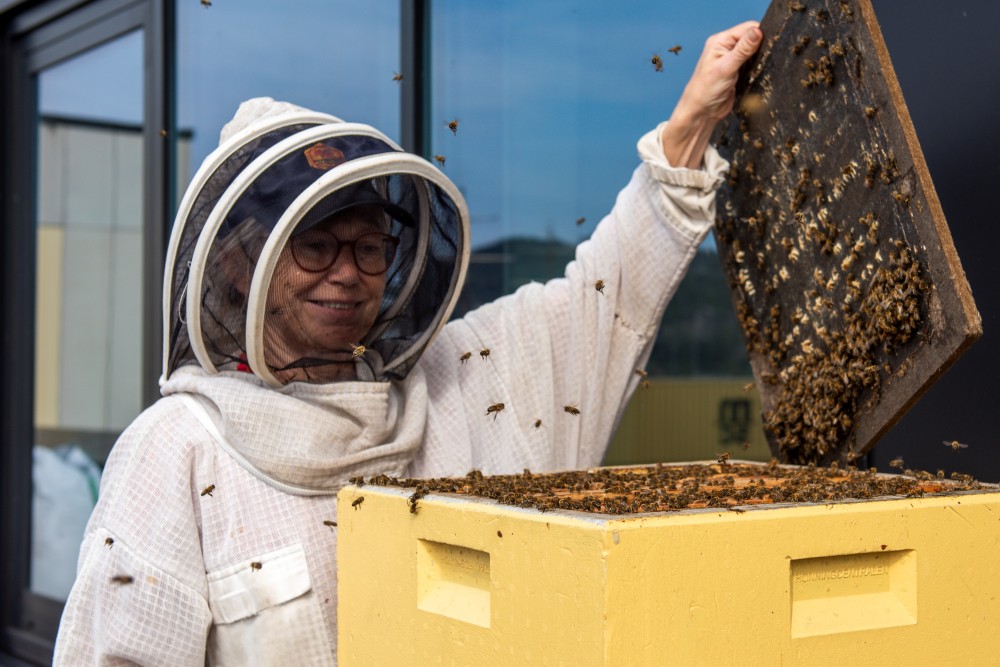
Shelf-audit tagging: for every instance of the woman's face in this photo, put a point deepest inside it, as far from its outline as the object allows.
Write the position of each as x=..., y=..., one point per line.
x=324, y=313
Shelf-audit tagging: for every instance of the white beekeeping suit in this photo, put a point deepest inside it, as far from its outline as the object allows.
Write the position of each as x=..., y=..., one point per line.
x=214, y=537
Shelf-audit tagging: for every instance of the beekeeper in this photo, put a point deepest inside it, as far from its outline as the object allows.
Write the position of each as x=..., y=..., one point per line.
x=311, y=271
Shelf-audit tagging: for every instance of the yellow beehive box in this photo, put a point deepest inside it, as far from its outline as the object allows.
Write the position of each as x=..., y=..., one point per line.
x=468, y=581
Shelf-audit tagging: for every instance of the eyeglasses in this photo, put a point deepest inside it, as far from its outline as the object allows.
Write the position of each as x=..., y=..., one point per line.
x=315, y=250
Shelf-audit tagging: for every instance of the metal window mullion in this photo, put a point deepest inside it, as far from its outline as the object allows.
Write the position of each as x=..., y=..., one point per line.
x=414, y=55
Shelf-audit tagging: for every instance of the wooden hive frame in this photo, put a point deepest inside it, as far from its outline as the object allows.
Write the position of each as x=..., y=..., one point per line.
x=845, y=280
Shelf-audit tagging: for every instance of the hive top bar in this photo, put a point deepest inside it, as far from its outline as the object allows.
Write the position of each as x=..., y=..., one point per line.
x=843, y=273
x=736, y=486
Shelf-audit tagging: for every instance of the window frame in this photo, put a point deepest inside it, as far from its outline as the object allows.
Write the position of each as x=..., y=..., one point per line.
x=36, y=35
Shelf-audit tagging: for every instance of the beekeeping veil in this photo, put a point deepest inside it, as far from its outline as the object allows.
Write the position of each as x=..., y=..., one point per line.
x=278, y=171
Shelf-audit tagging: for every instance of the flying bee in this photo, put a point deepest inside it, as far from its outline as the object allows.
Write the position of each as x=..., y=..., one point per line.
x=397, y=77
x=356, y=503
x=499, y=534
x=109, y=542
x=495, y=409
x=723, y=458
x=676, y=50
x=641, y=373
x=122, y=579
x=440, y=159
x=207, y=491
x=749, y=386
x=206, y=3
x=465, y=357
x=453, y=126
x=954, y=444
x=657, y=62
x=358, y=350
x=897, y=463
x=538, y=423
x=599, y=286
x=746, y=445
x=644, y=384
x=572, y=409
x=256, y=565
x=329, y=524
x=580, y=221
x=484, y=353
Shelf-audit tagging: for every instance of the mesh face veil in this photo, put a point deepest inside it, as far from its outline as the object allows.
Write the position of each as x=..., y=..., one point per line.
x=390, y=229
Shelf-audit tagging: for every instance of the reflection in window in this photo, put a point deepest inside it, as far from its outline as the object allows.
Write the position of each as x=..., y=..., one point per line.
x=334, y=57
x=88, y=342
x=550, y=99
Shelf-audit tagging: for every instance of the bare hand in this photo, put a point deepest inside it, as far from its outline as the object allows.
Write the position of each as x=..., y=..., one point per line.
x=709, y=94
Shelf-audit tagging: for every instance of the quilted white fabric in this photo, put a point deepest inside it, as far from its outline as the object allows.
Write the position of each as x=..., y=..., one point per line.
x=218, y=501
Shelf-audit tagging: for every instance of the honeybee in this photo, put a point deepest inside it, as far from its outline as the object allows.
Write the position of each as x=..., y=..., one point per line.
x=207, y=491
x=580, y=220
x=440, y=159
x=358, y=350
x=329, y=524
x=495, y=409
x=748, y=386
x=723, y=458
x=572, y=409
x=645, y=384
x=499, y=534
x=122, y=579
x=599, y=286
x=206, y=3
x=453, y=126
x=657, y=62
x=954, y=444
x=870, y=111
x=641, y=373
x=746, y=445
x=397, y=77
x=256, y=565
x=538, y=423
x=897, y=463
x=676, y=50
x=485, y=352
x=465, y=357
x=109, y=542
x=357, y=502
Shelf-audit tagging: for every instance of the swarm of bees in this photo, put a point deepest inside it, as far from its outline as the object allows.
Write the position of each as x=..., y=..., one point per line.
x=659, y=488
